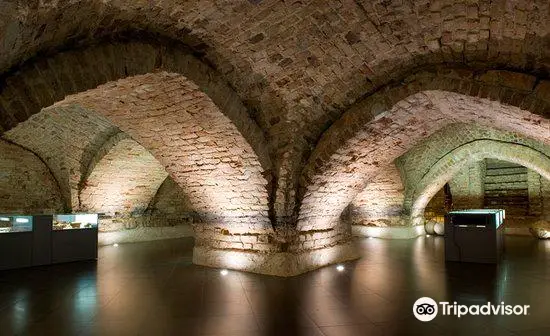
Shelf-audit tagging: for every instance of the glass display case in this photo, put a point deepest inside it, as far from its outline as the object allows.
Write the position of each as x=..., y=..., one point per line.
x=47, y=239
x=474, y=235
x=478, y=217
x=15, y=223
x=74, y=221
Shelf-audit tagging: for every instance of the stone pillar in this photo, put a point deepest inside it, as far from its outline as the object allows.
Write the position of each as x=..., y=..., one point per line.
x=534, y=185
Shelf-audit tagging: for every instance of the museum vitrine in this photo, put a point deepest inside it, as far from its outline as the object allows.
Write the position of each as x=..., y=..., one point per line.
x=45, y=239
x=74, y=221
x=474, y=235
x=10, y=223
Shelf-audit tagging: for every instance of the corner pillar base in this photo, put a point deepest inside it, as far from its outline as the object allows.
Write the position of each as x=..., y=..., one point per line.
x=406, y=232
x=284, y=264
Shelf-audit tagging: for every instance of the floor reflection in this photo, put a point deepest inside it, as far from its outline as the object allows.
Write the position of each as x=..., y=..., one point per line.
x=153, y=289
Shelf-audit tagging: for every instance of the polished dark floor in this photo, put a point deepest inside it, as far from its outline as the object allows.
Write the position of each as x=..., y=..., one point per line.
x=153, y=289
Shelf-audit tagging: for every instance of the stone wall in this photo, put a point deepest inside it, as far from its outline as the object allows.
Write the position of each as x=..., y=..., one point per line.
x=124, y=181
x=468, y=186
x=199, y=147
x=518, y=190
x=66, y=138
x=380, y=203
x=288, y=85
x=170, y=201
x=417, y=161
x=545, y=192
x=507, y=187
x=26, y=184
x=168, y=215
x=435, y=210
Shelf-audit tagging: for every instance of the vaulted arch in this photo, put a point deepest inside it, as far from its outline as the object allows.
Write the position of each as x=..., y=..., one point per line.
x=40, y=83
x=198, y=146
x=123, y=181
x=445, y=168
x=385, y=125
x=67, y=138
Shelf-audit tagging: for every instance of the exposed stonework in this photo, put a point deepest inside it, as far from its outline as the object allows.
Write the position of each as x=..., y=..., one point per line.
x=278, y=263
x=26, y=184
x=66, y=138
x=381, y=202
x=40, y=84
x=170, y=201
x=101, y=170
x=124, y=181
x=445, y=168
x=291, y=68
x=280, y=73
x=142, y=233
x=368, y=137
x=199, y=147
x=468, y=186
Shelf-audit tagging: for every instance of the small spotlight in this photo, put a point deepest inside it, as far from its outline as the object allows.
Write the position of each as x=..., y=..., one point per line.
x=115, y=244
x=224, y=272
x=371, y=237
x=340, y=268
x=427, y=235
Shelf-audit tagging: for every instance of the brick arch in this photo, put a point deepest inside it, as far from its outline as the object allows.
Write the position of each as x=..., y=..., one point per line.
x=445, y=168
x=386, y=124
x=41, y=82
x=89, y=162
x=365, y=45
x=197, y=144
x=66, y=138
x=27, y=185
x=122, y=181
x=414, y=164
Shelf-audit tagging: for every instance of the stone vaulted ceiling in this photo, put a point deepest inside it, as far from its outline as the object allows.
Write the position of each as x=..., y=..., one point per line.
x=296, y=99
x=313, y=57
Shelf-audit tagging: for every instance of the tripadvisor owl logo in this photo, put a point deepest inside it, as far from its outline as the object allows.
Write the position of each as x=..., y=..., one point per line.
x=425, y=309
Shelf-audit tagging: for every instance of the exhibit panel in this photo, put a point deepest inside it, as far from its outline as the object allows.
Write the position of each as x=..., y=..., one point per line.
x=47, y=239
x=474, y=235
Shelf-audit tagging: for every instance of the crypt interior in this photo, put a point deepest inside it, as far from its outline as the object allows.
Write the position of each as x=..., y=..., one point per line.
x=275, y=167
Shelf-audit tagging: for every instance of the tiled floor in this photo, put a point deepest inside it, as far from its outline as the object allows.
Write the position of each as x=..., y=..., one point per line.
x=153, y=289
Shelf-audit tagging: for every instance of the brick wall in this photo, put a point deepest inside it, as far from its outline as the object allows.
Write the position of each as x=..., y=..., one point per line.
x=170, y=200
x=545, y=192
x=66, y=138
x=445, y=168
x=518, y=190
x=26, y=184
x=468, y=186
x=290, y=74
x=199, y=147
x=122, y=183
x=417, y=161
x=371, y=137
x=381, y=202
